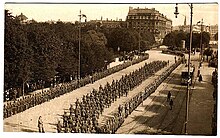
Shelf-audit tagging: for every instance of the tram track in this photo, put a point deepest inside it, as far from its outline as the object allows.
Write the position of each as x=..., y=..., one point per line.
x=145, y=121
x=165, y=127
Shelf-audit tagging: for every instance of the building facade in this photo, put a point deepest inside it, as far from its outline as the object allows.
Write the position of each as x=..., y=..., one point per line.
x=213, y=29
x=109, y=23
x=149, y=19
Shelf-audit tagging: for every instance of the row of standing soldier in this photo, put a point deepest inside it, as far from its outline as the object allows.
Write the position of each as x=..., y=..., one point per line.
x=83, y=117
x=25, y=102
x=115, y=121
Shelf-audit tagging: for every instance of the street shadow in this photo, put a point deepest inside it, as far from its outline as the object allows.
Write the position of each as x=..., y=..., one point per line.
x=23, y=129
x=27, y=130
x=59, y=115
x=174, y=78
x=153, y=108
x=11, y=124
x=52, y=124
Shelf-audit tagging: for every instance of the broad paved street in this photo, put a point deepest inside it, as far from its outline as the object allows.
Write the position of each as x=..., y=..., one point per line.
x=51, y=111
x=155, y=116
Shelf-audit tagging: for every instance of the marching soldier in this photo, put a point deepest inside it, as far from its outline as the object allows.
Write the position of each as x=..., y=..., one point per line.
x=71, y=109
x=65, y=119
x=59, y=127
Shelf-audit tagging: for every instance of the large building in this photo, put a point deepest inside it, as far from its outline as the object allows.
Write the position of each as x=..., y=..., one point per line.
x=109, y=23
x=149, y=19
x=213, y=29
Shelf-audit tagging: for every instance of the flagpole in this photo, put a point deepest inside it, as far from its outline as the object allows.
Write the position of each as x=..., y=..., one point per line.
x=80, y=17
x=79, y=43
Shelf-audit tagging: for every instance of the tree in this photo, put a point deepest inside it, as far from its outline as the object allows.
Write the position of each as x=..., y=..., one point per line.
x=147, y=40
x=17, y=53
x=47, y=52
x=174, y=39
x=208, y=52
x=169, y=40
x=196, y=40
x=126, y=39
x=94, y=52
x=67, y=65
x=216, y=36
x=205, y=39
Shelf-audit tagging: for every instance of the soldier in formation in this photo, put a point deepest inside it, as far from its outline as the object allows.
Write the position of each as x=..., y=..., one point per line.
x=84, y=116
x=36, y=98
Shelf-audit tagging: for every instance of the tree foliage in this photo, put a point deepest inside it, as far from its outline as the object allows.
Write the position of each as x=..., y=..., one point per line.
x=174, y=39
x=196, y=40
x=128, y=39
x=208, y=52
x=18, y=54
x=37, y=52
x=40, y=51
x=216, y=36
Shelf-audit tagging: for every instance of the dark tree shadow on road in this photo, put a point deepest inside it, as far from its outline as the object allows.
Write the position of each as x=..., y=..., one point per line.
x=23, y=129
x=27, y=130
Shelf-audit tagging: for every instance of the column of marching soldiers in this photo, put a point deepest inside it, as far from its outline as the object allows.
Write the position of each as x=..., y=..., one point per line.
x=25, y=102
x=83, y=117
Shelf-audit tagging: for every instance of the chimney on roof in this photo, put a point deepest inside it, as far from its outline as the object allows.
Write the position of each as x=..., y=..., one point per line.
x=130, y=8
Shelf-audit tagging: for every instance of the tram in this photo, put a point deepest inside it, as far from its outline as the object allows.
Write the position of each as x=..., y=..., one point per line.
x=184, y=75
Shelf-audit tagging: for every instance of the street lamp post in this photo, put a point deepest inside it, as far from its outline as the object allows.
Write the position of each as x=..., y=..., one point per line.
x=80, y=17
x=201, y=48
x=139, y=39
x=189, y=78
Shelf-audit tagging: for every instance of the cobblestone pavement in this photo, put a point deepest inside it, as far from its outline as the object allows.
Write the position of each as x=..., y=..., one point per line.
x=51, y=111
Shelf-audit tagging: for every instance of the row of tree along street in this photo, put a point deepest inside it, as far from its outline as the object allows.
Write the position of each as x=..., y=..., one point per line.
x=34, y=53
x=174, y=41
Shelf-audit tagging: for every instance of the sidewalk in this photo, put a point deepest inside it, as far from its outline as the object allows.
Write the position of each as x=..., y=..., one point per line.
x=201, y=104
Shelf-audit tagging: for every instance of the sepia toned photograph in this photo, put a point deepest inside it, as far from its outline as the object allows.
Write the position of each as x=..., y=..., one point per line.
x=111, y=68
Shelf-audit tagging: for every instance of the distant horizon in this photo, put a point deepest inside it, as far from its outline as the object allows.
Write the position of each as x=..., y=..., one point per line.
x=69, y=12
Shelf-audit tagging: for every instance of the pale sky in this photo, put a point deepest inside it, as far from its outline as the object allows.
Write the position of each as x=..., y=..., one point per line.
x=69, y=12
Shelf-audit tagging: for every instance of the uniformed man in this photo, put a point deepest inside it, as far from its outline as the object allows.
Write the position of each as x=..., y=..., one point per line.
x=40, y=125
x=71, y=110
x=65, y=119
x=59, y=127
